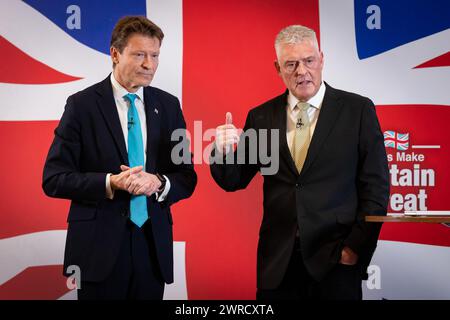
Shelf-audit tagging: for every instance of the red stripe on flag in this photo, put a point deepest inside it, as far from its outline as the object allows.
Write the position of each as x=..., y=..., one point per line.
x=440, y=61
x=228, y=65
x=18, y=67
x=35, y=283
x=24, y=207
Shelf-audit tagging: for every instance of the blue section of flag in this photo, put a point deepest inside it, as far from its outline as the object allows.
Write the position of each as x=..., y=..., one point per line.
x=402, y=21
x=98, y=17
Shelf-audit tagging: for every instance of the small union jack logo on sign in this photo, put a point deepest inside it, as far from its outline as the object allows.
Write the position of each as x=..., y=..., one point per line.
x=395, y=140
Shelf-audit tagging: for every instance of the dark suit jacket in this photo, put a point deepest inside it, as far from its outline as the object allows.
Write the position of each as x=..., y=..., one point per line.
x=344, y=178
x=88, y=144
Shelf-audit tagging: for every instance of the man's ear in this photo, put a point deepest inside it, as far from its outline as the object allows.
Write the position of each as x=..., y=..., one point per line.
x=114, y=54
x=321, y=59
x=277, y=66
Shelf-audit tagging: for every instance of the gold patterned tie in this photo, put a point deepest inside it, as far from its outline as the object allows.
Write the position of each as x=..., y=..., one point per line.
x=302, y=136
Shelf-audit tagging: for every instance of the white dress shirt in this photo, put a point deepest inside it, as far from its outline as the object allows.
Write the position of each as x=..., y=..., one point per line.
x=313, y=113
x=122, y=105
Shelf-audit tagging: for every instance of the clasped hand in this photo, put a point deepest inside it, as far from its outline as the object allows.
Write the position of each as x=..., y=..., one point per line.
x=135, y=181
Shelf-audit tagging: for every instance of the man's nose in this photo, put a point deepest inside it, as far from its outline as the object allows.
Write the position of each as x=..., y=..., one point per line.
x=301, y=70
x=148, y=63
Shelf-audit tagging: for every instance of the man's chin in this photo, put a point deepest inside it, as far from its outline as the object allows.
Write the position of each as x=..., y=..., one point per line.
x=303, y=95
x=144, y=83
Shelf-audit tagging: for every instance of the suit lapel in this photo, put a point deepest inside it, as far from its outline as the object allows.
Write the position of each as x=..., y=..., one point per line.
x=280, y=119
x=153, y=114
x=329, y=112
x=108, y=109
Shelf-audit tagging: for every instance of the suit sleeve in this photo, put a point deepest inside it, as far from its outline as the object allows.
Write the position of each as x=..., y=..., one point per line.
x=182, y=176
x=372, y=185
x=229, y=173
x=62, y=177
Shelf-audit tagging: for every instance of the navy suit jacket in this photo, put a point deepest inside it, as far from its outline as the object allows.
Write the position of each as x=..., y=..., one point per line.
x=88, y=144
x=344, y=178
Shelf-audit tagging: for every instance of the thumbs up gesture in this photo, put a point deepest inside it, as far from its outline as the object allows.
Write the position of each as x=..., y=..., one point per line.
x=226, y=135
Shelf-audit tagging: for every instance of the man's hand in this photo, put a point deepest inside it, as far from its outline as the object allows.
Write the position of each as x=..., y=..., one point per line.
x=118, y=181
x=226, y=135
x=141, y=183
x=348, y=256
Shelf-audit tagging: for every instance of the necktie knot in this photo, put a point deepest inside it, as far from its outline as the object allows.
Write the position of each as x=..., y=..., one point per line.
x=303, y=106
x=130, y=97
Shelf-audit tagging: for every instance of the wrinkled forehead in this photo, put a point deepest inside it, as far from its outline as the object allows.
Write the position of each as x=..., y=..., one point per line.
x=299, y=50
x=137, y=40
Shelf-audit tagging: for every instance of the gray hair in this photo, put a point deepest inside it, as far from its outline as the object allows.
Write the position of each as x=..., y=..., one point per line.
x=295, y=34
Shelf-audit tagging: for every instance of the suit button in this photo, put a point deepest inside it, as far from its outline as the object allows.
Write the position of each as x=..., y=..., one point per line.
x=124, y=213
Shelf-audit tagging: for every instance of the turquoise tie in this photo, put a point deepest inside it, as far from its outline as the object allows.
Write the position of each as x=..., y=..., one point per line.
x=138, y=204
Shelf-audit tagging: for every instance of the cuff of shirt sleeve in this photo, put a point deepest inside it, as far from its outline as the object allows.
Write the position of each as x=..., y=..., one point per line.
x=109, y=190
x=163, y=195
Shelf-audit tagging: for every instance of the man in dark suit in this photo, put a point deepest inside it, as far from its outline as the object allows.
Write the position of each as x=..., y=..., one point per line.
x=332, y=172
x=111, y=156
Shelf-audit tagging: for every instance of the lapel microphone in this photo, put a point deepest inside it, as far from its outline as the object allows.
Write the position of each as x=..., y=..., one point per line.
x=130, y=123
x=299, y=124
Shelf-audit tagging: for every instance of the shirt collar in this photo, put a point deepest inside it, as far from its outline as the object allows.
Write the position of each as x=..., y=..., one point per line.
x=119, y=91
x=315, y=101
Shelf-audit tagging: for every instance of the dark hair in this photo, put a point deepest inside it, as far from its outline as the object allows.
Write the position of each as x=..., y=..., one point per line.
x=130, y=25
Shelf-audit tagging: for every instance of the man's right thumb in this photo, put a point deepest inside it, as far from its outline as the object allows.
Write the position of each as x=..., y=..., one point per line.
x=229, y=118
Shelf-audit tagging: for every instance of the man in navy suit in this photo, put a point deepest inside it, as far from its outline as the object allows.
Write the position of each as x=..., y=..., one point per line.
x=314, y=241
x=111, y=156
